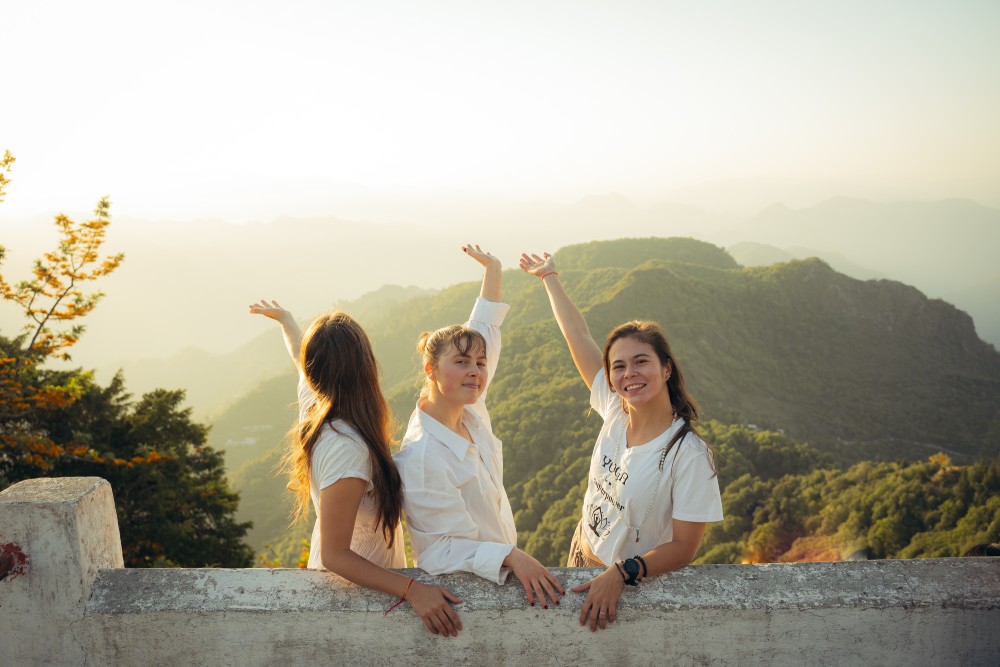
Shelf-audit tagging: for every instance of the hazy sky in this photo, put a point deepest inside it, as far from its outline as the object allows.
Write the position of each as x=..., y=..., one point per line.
x=243, y=109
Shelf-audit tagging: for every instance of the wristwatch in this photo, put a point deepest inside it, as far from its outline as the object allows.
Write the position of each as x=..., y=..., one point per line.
x=632, y=570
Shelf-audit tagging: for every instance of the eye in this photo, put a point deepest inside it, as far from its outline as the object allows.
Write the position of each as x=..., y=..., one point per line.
x=482, y=364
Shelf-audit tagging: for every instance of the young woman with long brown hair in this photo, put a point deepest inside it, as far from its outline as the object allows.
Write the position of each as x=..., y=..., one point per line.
x=652, y=487
x=340, y=459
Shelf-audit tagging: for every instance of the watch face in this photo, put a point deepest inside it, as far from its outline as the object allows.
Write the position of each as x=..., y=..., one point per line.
x=631, y=568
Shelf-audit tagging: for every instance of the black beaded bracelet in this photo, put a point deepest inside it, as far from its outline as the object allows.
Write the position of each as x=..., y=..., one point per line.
x=621, y=572
x=643, y=562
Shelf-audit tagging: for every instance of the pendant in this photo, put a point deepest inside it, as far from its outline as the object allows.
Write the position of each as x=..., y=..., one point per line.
x=636, y=534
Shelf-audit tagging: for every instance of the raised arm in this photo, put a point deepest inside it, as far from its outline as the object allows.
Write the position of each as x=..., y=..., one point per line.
x=586, y=355
x=289, y=327
x=492, y=272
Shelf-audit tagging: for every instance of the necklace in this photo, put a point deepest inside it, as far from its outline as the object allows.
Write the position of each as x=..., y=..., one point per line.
x=652, y=501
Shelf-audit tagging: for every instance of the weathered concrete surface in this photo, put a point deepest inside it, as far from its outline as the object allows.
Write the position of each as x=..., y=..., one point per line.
x=66, y=528
x=930, y=612
x=944, y=611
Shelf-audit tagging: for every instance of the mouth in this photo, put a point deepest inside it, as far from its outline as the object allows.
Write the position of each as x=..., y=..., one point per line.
x=636, y=386
x=471, y=386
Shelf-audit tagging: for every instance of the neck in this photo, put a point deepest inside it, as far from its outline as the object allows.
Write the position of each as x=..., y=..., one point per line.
x=649, y=421
x=447, y=412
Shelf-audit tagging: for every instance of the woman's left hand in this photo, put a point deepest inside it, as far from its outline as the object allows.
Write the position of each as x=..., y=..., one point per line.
x=601, y=604
x=480, y=255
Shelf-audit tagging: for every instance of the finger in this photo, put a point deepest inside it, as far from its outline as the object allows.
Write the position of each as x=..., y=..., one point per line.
x=276, y=304
x=428, y=624
x=612, y=614
x=451, y=597
x=536, y=258
x=527, y=591
x=449, y=627
x=602, y=620
x=555, y=582
x=550, y=590
x=537, y=587
x=581, y=588
x=453, y=619
x=438, y=626
x=548, y=256
x=594, y=615
x=583, y=612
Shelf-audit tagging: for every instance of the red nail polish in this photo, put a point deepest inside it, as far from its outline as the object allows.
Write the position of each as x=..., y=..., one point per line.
x=545, y=606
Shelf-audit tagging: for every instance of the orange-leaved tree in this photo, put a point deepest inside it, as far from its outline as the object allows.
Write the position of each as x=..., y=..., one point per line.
x=173, y=501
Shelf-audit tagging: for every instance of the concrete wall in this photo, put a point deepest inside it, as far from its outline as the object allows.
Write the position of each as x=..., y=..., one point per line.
x=72, y=603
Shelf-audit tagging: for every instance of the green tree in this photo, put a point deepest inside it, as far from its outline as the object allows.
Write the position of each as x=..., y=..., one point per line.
x=173, y=502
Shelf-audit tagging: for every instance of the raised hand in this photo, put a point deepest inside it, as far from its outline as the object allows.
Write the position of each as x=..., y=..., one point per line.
x=537, y=266
x=480, y=255
x=272, y=310
x=431, y=604
x=538, y=582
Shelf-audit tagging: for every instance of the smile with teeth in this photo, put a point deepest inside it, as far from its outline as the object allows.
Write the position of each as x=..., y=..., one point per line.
x=633, y=387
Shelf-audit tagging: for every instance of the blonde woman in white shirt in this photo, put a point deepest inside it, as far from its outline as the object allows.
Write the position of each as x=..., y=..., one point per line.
x=339, y=458
x=457, y=510
x=652, y=487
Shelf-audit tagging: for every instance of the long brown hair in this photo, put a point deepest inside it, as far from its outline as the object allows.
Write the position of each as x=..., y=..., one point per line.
x=683, y=403
x=340, y=367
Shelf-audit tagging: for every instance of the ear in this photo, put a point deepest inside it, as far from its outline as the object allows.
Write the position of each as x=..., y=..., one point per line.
x=668, y=369
x=429, y=370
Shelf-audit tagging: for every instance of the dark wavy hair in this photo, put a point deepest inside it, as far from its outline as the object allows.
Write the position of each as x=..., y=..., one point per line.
x=339, y=364
x=683, y=403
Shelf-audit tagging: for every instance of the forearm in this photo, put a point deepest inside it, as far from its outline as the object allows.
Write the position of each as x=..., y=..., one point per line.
x=574, y=328
x=492, y=279
x=363, y=572
x=669, y=557
x=293, y=337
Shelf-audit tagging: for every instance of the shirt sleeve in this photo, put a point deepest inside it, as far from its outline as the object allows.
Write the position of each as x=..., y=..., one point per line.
x=602, y=399
x=486, y=318
x=695, y=490
x=444, y=535
x=337, y=456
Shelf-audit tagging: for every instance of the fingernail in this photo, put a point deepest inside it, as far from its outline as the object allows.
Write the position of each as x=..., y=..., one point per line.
x=545, y=606
x=532, y=604
x=557, y=601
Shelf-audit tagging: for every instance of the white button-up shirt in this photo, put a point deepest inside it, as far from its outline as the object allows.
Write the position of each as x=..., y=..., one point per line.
x=457, y=510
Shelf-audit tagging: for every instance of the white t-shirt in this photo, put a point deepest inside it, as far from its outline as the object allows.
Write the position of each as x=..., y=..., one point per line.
x=622, y=491
x=340, y=453
x=457, y=510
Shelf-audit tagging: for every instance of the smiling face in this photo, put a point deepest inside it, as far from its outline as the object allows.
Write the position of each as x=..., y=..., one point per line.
x=459, y=377
x=637, y=374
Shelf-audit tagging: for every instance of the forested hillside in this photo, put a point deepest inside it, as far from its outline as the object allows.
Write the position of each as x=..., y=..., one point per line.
x=861, y=370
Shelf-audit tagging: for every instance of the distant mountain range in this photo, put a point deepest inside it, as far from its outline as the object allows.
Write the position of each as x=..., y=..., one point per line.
x=186, y=284
x=859, y=369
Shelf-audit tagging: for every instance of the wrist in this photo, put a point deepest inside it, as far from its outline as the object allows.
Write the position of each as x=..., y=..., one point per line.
x=546, y=275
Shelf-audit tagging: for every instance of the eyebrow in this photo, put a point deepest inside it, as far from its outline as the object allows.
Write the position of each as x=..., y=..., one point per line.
x=634, y=356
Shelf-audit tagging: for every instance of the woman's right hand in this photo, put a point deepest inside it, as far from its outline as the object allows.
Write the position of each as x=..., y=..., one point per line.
x=537, y=266
x=431, y=603
x=536, y=579
x=272, y=310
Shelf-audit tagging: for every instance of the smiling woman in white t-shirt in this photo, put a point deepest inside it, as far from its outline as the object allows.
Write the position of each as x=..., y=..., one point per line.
x=651, y=487
x=457, y=510
x=339, y=458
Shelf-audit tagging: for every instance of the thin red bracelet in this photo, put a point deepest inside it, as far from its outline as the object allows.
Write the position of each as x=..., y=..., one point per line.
x=550, y=273
x=410, y=583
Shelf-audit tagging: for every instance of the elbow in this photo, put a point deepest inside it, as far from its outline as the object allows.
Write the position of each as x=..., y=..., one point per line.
x=334, y=560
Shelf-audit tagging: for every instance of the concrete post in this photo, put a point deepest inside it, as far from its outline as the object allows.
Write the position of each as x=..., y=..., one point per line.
x=57, y=533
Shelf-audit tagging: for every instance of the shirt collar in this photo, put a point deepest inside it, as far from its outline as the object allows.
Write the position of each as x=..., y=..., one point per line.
x=458, y=445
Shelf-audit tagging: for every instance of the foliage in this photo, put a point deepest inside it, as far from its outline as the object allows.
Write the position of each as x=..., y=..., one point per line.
x=858, y=369
x=173, y=502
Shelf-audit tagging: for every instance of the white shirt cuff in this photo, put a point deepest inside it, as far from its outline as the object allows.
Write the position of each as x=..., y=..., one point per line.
x=489, y=312
x=488, y=562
